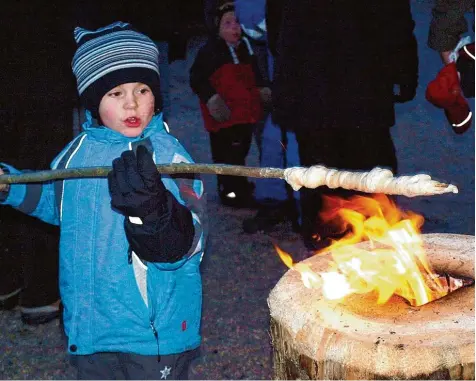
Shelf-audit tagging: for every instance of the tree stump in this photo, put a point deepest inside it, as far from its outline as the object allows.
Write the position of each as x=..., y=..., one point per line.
x=314, y=338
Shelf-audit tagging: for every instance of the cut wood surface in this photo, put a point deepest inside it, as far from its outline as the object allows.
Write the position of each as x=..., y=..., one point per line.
x=314, y=338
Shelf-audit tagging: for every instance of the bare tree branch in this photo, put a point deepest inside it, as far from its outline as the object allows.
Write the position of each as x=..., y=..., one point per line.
x=377, y=180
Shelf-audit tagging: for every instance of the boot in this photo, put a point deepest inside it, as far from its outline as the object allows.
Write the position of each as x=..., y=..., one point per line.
x=322, y=237
x=241, y=197
x=30, y=315
x=40, y=315
x=269, y=215
x=10, y=301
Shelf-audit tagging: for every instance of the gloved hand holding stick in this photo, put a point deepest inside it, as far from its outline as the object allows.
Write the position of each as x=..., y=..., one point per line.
x=377, y=180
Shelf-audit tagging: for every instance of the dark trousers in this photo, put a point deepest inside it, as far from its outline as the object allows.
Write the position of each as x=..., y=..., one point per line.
x=346, y=149
x=28, y=258
x=29, y=247
x=129, y=366
x=231, y=146
x=38, y=89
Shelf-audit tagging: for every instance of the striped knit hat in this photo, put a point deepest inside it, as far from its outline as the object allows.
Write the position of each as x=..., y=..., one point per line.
x=110, y=56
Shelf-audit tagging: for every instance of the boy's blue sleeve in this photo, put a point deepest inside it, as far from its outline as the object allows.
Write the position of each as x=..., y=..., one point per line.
x=34, y=199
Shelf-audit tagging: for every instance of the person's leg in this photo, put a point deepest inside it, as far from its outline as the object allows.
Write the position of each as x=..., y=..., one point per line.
x=316, y=146
x=99, y=366
x=220, y=143
x=271, y=195
x=11, y=258
x=237, y=191
x=39, y=125
x=231, y=146
x=40, y=296
x=31, y=244
x=240, y=138
x=355, y=149
x=366, y=149
x=280, y=150
x=11, y=250
x=273, y=152
x=347, y=149
x=291, y=159
x=262, y=57
x=170, y=367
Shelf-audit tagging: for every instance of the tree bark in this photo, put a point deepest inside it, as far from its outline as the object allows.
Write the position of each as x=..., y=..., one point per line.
x=314, y=338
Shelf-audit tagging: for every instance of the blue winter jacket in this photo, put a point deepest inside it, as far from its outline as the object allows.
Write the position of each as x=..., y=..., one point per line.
x=111, y=305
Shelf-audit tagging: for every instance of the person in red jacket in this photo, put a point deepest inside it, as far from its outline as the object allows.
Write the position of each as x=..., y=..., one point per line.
x=232, y=94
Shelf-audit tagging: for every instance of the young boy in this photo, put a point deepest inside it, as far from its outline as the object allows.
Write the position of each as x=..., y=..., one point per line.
x=131, y=245
x=226, y=78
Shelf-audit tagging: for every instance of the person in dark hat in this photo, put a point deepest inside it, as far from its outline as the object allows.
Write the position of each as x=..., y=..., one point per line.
x=131, y=245
x=232, y=94
x=36, y=105
x=454, y=83
x=447, y=25
x=340, y=68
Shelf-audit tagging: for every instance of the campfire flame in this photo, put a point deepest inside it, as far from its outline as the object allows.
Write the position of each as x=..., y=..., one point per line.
x=395, y=264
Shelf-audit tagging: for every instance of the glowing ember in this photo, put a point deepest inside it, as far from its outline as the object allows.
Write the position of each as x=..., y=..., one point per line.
x=396, y=264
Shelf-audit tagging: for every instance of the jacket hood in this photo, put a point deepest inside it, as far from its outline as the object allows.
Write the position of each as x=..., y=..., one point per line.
x=102, y=133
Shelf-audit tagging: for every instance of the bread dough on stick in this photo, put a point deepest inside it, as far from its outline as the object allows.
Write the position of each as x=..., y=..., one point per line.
x=378, y=180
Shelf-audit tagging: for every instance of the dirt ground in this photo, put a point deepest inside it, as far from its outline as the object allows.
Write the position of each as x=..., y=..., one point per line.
x=240, y=270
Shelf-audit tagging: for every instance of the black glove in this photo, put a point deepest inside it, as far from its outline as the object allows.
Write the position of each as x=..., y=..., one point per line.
x=166, y=231
x=405, y=94
x=135, y=185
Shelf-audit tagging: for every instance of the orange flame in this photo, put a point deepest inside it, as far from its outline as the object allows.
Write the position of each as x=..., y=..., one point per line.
x=395, y=264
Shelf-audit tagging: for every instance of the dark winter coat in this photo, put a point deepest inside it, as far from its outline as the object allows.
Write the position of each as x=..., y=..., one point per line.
x=215, y=72
x=338, y=61
x=273, y=12
x=448, y=23
x=38, y=87
x=157, y=19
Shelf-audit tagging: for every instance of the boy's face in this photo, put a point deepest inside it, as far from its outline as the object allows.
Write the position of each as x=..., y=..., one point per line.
x=229, y=29
x=127, y=108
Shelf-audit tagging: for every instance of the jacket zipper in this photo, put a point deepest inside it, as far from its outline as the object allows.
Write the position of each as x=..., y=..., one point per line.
x=152, y=313
x=129, y=255
x=152, y=326
x=156, y=335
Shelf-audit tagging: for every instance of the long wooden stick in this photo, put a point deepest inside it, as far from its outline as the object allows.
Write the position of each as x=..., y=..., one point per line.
x=377, y=180
x=185, y=168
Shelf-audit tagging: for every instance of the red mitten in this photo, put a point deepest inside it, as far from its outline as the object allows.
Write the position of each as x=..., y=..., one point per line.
x=445, y=92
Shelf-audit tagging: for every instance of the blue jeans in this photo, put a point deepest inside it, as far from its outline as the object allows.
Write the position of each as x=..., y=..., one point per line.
x=163, y=47
x=275, y=154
